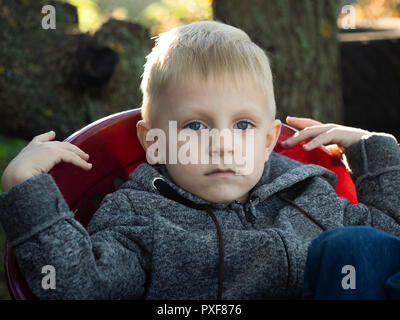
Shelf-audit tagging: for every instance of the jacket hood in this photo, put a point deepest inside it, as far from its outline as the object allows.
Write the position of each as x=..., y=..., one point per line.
x=280, y=172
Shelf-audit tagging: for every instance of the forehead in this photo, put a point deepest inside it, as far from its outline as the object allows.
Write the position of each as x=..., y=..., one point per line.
x=220, y=95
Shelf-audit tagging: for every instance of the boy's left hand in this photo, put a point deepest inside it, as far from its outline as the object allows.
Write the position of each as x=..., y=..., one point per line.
x=322, y=134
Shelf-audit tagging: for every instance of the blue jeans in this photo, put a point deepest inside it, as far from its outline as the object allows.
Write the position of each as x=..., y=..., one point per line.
x=353, y=263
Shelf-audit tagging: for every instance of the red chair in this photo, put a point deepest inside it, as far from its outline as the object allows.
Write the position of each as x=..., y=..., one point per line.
x=115, y=152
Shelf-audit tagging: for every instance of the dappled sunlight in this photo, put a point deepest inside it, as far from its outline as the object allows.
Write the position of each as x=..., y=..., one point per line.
x=158, y=16
x=166, y=14
x=89, y=16
x=375, y=9
x=374, y=13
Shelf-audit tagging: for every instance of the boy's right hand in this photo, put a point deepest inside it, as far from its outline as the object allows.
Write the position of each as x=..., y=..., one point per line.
x=40, y=156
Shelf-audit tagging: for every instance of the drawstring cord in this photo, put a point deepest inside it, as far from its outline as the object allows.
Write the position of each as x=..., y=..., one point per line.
x=308, y=215
x=220, y=252
x=170, y=193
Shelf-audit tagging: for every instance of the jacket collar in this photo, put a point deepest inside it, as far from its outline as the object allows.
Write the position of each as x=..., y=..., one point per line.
x=280, y=172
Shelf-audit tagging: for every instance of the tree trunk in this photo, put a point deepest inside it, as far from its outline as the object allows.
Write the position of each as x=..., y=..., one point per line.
x=61, y=79
x=300, y=38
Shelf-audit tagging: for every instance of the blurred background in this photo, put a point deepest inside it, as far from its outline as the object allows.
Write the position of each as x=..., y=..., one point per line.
x=335, y=61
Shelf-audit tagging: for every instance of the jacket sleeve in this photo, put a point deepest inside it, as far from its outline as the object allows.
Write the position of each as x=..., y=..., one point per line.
x=375, y=169
x=108, y=260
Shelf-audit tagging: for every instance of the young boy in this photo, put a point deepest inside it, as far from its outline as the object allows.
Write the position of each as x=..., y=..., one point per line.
x=191, y=231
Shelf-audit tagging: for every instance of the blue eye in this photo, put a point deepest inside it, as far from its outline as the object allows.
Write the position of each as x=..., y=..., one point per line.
x=194, y=126
x=243, y=125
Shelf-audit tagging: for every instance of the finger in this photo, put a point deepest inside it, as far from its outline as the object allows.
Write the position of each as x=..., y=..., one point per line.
x=324, y=138
x=71, y=147
x=44, y=137
x=73, y=158
x=302, y=122
x=305, y=134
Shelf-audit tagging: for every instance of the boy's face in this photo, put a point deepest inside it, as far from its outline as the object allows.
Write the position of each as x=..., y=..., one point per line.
x=216, y=104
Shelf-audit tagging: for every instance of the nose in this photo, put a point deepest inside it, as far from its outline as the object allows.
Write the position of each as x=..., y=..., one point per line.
x=221, y=143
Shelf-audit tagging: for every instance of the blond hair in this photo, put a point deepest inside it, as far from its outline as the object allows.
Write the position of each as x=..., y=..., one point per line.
x=203, y=48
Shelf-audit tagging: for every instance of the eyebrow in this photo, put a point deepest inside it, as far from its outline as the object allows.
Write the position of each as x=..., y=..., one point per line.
x=245, y=113
x=197, y=111
x=249, y=114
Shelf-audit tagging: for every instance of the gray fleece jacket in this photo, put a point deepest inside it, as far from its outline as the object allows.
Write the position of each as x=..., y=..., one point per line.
x=152, y=239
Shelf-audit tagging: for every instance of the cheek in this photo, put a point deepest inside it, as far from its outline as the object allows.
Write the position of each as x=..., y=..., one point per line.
x=253, y=146
x=262, y=152
x=184, y=172
x=250, y=153
x=187, y=147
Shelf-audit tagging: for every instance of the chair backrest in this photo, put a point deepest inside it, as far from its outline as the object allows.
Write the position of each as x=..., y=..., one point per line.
x=115, y=152
x=327, y=157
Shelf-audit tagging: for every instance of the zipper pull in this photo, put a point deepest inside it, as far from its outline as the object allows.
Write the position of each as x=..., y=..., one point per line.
x=248, y=208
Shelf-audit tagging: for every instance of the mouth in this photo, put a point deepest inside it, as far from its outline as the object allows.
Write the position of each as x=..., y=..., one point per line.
x=221, y=173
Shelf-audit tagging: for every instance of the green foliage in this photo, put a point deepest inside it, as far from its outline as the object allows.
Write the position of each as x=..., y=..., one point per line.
x=9, y=148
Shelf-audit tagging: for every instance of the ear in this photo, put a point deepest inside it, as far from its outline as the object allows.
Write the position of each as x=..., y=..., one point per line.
x=141, y=130
x=272, y=137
